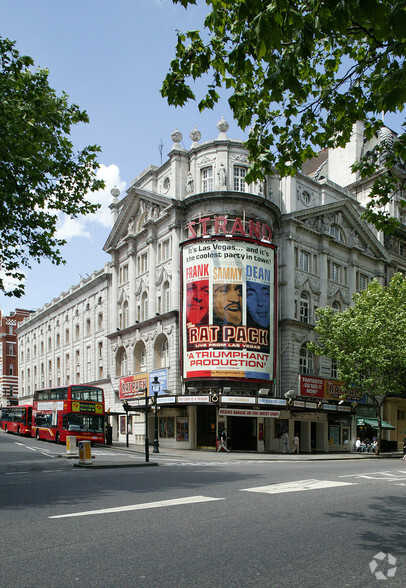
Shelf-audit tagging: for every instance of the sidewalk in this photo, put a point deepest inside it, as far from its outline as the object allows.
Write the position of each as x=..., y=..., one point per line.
x=212, y=455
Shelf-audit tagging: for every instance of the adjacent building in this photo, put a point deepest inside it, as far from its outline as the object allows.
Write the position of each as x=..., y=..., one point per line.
x=9, y=355
x=210, y=297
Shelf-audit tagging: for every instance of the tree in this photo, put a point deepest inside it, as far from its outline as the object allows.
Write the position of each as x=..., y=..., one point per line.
x=40, y=174
x=368, y=342
x=301, y=73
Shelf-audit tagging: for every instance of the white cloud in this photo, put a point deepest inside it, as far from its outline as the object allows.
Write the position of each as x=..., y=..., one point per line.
x=69, y=228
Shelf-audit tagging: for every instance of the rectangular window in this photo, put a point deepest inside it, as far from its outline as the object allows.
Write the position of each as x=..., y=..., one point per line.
x=207, y=179
x=123, y=274
x=362, y=281
x=165, y=250
x=144, y=262
x=239, y=181
x=334, y=272
x=304, y=261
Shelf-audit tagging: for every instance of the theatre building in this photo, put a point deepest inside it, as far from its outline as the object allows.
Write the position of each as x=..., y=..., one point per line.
x=209, y=301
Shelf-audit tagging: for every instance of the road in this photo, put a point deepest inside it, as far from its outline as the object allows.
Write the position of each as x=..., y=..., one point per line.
x=195, y=522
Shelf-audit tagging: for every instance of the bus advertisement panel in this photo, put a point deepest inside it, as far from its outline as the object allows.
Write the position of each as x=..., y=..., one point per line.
x=228, y=309
x=16, y=419
x=76, y=410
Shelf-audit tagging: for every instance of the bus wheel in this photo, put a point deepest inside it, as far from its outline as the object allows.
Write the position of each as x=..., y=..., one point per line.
x=57, y=438
x=37, y=434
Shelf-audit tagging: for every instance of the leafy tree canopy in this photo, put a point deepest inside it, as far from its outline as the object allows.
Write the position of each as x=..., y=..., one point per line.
x=40, y=174
x=301, y=73
x=368, y=340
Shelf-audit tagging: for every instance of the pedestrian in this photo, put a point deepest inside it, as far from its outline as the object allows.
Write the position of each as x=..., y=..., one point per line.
x=296, y=443
x=404, y=448
x=223, y=442
x=285, y=441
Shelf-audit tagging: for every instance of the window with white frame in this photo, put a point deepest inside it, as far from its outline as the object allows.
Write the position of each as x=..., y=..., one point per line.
x=144, y=306
x=123, y=362
x=303, y=261
x=166, y=297
x=337, y=233
x=335, y=272
x=305, y=361
x=143, y=359
x=207, y=179
x=123, y=274
x=363, y=281
x=239, y=178
x=334, y=369
x=165, y=354
x=304, y=307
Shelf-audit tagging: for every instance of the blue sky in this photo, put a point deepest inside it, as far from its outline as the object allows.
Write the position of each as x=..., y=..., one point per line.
x=110, y=57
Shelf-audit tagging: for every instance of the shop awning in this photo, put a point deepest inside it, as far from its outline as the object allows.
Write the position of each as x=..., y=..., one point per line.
x=374, y=423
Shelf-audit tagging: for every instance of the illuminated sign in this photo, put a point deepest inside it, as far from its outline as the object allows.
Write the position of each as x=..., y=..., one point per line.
x=228, y=309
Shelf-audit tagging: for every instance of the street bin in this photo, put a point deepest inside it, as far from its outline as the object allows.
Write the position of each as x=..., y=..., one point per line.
x=85, y=452
x=71, y=445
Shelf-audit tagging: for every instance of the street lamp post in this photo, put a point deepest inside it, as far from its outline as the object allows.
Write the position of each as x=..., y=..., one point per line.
x=126, y=407
x=146, y=427
x=155, y=386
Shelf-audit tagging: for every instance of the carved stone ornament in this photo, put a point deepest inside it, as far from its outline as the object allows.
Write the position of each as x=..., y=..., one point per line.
x=189, y=184
x=176, y=136
x=195, y=135
x=305, y=196
x=223, y=125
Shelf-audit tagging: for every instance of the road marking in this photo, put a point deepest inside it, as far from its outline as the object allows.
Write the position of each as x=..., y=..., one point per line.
x=297, y=486
x=26, y=446
x=158, y=504
x=379, y=476
x=15, y=473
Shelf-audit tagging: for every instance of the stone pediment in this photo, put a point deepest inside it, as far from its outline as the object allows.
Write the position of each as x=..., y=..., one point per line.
x=304, y=282
x=339, y=294
x=162, y=277
x=136, y=209
x=341, y=222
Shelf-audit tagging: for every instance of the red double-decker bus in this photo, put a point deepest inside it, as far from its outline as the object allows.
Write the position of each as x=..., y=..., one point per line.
x=16, y=419
x=76, y=410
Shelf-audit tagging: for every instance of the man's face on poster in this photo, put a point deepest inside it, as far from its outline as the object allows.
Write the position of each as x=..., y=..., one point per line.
x=258, y=303
x=197, y=302
x=227, y=299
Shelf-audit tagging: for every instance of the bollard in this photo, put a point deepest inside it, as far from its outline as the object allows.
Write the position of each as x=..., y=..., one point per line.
x=85, y=453
x=71, y=445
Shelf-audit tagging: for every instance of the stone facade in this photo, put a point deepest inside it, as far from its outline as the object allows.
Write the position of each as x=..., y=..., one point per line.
x=125, y=319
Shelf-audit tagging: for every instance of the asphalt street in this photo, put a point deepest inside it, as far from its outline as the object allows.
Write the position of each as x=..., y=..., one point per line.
x=199, y=520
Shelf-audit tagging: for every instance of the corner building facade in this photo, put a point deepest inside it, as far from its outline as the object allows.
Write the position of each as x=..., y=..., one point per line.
x=210, y=298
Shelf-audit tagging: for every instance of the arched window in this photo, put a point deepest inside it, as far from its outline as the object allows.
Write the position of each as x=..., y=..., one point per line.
x=144, y=306
x=125, y=318
x=336, y=306
x=140, y=357
x=121, y=362
x=165, y=354
x=304, y=307
x=305, y=360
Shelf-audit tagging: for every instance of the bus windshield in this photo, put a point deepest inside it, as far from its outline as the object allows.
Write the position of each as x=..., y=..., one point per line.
x=83, y=422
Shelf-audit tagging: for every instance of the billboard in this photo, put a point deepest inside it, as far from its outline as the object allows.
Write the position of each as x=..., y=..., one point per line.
x=228, y=308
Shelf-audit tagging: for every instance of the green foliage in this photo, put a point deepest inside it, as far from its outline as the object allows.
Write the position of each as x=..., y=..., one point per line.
x=301, y=74
x=368, y=340
x=40, y=174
